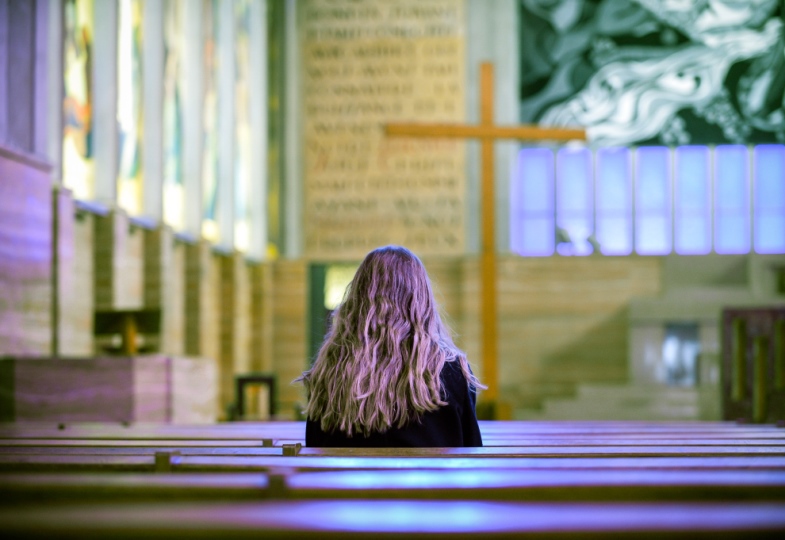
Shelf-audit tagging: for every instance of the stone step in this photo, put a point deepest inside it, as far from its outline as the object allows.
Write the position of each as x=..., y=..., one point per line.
x=671, y=394
x=621, y=402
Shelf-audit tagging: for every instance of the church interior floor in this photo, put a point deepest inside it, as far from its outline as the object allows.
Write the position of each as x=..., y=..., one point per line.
x=535, y=479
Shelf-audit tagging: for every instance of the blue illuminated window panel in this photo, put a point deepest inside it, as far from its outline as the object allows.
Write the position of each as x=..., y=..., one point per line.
x=692, y=210
x=769, y=201
x=731, y=199
x=532, y=203
x=574, y=199
x=653, y=201
x=613, y=222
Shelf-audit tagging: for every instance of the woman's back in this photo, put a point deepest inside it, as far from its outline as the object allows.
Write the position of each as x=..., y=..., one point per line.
x=388, y=373
x=454, y=424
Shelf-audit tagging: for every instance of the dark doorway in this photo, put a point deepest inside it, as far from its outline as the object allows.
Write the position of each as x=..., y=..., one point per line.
x=328, y=283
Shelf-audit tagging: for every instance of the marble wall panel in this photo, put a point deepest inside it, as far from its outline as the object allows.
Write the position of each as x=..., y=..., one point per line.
x=203, y=298
x=235, y=322
x=228, y=348
x=73, y=390
x=75, y=277
x=25, y=255
x=289, y=297
x=151, y=388
x=173, y=320
x=119, y=262
x=195, y=397
x=164, y=286
x=202, y=301
x=261, y=339
x=154, y=388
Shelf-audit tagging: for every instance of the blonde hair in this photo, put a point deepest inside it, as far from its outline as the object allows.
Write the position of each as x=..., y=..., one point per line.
x=380, y=361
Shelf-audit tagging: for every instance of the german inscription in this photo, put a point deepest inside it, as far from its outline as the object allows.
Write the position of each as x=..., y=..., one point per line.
x=366, y=63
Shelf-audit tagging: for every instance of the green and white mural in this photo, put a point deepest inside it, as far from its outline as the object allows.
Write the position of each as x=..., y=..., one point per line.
x=642, y=72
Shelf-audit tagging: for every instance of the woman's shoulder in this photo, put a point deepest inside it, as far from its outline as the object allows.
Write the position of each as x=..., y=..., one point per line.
x=453, y=378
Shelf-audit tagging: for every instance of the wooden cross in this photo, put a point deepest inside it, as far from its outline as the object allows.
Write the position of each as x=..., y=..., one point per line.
x=488, y=133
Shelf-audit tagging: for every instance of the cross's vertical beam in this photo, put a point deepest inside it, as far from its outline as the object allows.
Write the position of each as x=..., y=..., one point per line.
x=488, y=241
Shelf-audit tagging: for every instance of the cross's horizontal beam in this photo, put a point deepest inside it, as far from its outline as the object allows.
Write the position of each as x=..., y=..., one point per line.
x=485, y=132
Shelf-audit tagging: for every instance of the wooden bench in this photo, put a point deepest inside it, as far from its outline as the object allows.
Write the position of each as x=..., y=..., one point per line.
x=753, y=364
x=341, y=519
x=621, y=479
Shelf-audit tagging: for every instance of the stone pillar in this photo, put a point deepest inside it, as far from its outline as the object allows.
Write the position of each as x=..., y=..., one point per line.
x=73, y=296
x=104, y=92
x=164, y=286
x=119, y=263
x=234, y=323
x=493, y=37
x=153, y=103
x=26, y=263
x=202, y=301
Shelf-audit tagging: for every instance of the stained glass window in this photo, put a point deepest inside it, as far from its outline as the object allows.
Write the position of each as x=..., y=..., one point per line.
x=276, y=70
x=173, y=194
x=78, y=166
x=210, y=229
x=130, y=116
x=242, y=118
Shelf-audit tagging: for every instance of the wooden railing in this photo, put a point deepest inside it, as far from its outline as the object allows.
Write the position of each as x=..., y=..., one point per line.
x=753, y=364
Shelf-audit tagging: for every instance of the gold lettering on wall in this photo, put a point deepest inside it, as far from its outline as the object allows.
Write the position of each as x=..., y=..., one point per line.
x=365, y=63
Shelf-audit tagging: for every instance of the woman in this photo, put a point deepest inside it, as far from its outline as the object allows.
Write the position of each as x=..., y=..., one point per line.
x=388, y=373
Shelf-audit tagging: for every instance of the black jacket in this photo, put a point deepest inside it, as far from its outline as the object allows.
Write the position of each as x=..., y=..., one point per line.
x=454, y=424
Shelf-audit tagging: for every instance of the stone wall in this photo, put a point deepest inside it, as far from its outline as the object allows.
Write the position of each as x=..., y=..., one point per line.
x=153, y=388
x=74, y=274
x=563, y=321
x=290, y=342
x=25, y=255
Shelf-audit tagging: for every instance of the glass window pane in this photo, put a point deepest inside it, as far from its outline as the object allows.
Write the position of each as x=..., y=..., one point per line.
x=653, y=201
x=769, y=207
x=210, y=229
x=731, y=199
x=574, y=201
x=531, y=203
x=614, y=235
x=78, y=164
x=536, y=236
x=130, y=118
x=242, y=158
x=173, y=194
x=614, y=201
x=692, y=201
x=680, y=350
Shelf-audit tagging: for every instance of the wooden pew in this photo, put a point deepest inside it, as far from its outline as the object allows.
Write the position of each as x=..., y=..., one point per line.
x=440, y=484
x=341, y=519
x=622, y=479
x=493, y=432
x=753, y=364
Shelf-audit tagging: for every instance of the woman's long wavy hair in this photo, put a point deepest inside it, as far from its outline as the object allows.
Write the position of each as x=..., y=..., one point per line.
x=380, y=361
